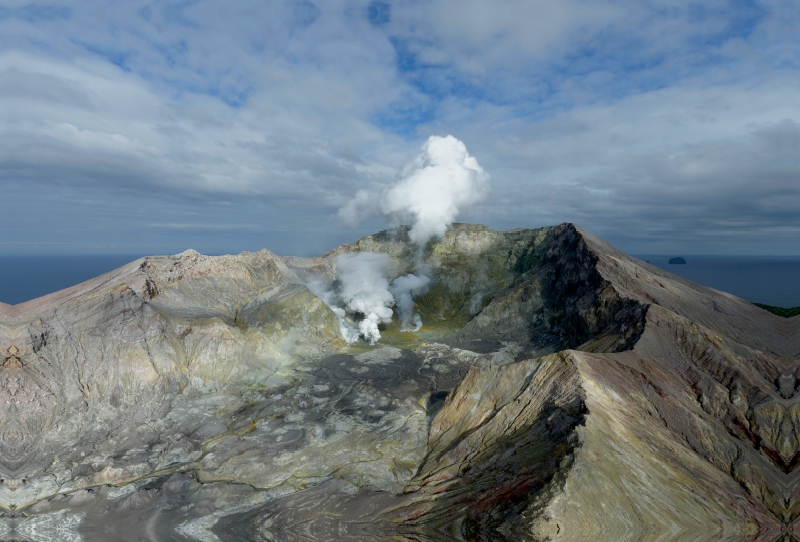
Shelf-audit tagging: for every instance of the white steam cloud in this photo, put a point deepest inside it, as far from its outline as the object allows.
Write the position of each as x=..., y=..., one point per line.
x=364, y=298
x=363, y=205
x=430, y=192
x=405, y=289
x=330, y=297
x=364, y=290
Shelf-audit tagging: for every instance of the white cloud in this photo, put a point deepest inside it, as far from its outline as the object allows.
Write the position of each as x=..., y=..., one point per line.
x=363, y=205
x=681, y=165
x=197, y=144
x=482, y=37
x=643, y=121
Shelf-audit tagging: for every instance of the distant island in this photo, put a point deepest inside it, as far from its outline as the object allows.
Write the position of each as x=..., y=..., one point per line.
x=677, y=260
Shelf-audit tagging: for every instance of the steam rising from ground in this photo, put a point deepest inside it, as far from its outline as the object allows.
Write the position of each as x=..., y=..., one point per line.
x=363, y=297
x=405, y=289
x=430, y=192
x=331, y=298
x=364, y=290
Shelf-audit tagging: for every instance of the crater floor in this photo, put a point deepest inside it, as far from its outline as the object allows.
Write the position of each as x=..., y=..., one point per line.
x=558, y=390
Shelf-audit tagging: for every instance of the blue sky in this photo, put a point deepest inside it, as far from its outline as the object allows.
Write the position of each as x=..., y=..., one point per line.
x=153, y=127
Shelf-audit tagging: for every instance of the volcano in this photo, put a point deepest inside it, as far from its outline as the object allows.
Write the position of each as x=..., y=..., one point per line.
x=558, y=389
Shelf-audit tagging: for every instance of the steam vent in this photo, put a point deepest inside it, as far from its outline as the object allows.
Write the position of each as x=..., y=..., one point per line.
x=558, y=390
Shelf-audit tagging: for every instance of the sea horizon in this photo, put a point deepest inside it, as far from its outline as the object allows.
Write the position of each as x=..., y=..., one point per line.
x=769, y=280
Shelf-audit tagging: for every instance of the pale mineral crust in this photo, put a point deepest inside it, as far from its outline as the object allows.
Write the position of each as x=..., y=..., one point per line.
x=559, y=390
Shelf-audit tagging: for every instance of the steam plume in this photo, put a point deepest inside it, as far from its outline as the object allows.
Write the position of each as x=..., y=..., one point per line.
x=363, y=298
x=363, y=205
x=405, y=289
x=330, y=297
x=430, y=192
x=364, y=289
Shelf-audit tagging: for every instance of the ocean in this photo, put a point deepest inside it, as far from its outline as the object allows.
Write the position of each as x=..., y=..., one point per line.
x=758, y=279
x=23, y=278
x=773, y=281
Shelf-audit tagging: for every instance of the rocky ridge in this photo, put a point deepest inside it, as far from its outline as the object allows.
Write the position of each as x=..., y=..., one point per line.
x=558, y=390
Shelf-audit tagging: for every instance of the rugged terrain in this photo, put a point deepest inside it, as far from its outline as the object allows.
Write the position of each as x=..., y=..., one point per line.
x=558, y=390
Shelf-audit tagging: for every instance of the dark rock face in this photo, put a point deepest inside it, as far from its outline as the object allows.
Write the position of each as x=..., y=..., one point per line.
x=558, y=390
x=677, y=260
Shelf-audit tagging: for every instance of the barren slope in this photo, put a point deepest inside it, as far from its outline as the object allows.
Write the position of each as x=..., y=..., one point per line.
x=559, y=389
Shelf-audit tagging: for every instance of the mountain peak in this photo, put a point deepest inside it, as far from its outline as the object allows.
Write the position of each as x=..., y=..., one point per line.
x=552, y=375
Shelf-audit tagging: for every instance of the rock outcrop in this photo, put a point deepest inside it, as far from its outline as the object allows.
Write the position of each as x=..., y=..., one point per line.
x=558, y=390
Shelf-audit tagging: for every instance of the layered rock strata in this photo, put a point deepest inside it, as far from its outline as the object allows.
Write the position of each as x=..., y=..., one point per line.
x=558, y=390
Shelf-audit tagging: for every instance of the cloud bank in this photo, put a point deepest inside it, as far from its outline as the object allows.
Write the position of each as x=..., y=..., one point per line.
x=661, y=126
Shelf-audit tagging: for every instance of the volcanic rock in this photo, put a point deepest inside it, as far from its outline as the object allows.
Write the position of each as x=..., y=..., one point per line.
x=558, y=390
